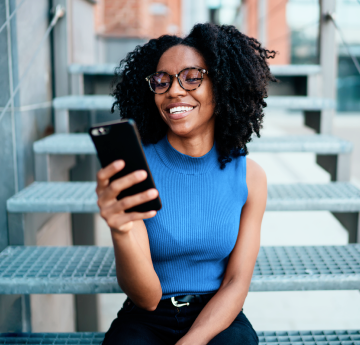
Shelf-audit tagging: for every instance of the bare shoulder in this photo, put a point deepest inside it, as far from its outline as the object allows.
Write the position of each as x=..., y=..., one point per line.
x=254, y=172
x=255, y=179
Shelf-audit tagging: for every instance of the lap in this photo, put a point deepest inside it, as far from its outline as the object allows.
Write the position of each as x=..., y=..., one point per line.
x=166, y=325
x=133, y=334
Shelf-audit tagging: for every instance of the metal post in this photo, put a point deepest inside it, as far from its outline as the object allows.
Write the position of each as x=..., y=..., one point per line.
x=53, y=167
x=351, y=222
x=337, y=165
x=328, y=62
x=262, y=22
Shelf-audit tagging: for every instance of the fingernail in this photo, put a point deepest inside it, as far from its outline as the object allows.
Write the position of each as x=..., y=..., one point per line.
x=152, y=192
x=141, y=174
x=119, y=164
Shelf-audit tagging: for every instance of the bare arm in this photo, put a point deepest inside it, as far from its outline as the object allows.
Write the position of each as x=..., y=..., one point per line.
x=134, y=268
x=227, y=303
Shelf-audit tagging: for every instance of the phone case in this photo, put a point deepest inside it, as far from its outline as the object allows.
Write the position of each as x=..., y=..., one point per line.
x=121, y=140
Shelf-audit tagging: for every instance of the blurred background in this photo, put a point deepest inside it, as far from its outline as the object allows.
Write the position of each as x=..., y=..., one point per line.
x=50, y=49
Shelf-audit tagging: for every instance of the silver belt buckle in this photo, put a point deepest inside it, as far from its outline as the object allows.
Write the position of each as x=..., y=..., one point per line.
x=177, y=304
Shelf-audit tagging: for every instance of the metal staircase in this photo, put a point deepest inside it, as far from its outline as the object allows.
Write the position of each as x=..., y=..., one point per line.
x=90, y=269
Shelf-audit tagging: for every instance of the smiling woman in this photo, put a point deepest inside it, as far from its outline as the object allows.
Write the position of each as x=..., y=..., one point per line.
x=236, y=70
x=187, y=269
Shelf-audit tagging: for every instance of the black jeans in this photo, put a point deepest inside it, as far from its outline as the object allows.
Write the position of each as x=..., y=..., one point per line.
x=167, y=324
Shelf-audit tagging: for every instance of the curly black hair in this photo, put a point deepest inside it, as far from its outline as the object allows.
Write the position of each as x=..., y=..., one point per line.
x=239, y=73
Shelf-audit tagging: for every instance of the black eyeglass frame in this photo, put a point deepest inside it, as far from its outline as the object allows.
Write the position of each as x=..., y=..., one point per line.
x=201, y=70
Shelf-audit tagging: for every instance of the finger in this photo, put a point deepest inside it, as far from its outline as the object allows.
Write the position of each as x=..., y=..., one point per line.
x=104, y=174
x=122, y=222
x=134, y=200
x=122, y=183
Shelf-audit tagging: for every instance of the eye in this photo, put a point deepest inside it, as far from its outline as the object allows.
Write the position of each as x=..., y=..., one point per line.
x=160, y=81
x=191, y=76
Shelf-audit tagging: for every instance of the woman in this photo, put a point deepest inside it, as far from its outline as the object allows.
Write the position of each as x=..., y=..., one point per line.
x=187, y=269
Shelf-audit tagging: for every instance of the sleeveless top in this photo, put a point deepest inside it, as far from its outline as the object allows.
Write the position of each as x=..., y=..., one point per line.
x=193, y=234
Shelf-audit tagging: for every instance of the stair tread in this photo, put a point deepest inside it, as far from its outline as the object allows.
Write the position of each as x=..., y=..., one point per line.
x=80, y=143
x=102, y=102
x=91, y=269
x=80, y=197
x=102, y=69
x=277, y=70
x=313, y=337
x=87, y=102
x=295, y=70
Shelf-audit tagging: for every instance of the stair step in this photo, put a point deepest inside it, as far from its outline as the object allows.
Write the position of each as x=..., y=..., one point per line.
x=89, y=102
x=300, y=103
x=80, y=143
x=98, y=102
x=277, y=70
x=101, y=69
x=327, y=337
x=91, y=269
x=80, y=197
x=294, y=70
x=65, y=144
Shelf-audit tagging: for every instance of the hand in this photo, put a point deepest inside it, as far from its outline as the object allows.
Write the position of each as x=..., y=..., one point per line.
x=113, y=210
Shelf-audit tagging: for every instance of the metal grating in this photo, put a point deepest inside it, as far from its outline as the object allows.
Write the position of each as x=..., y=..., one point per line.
x=102, y=69
x=320, y=143
x=77, y=269
x=80, y=143
x=93, y=102
x=277, y=70
x=300, y=103
x=65, y=144
x=90, y=269
x=75, y=197
x=295, y=70
x=97, y=102
x=330, y=337
x=335, y=196
x=80, y=197
x=340, y=337
x=52, y=338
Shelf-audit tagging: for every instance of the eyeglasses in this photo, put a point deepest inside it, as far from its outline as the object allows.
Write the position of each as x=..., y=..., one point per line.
x=189, y=79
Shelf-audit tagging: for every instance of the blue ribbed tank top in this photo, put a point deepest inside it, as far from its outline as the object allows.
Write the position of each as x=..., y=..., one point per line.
x=193, y=234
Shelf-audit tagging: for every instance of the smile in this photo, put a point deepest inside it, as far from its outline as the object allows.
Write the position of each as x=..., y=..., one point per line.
x=176, y=113
x=180, y=110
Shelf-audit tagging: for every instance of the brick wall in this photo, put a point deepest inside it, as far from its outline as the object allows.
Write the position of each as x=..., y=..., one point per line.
x=137, y=18
x=277, y=29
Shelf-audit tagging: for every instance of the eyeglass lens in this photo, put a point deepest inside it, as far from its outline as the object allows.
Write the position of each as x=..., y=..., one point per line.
x=190, y=79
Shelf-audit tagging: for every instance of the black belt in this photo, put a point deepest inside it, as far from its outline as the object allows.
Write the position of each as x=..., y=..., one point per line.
x=180, y=301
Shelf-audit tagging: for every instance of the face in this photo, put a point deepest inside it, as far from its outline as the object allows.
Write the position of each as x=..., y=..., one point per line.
x=197, y=115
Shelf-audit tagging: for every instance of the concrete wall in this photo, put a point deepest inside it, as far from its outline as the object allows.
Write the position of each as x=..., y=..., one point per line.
x=31, y=117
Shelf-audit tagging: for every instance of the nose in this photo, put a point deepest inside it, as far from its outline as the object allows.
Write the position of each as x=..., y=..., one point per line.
x=175, y=89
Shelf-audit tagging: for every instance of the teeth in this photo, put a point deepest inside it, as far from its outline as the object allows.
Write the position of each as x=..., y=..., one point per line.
x=180, y=109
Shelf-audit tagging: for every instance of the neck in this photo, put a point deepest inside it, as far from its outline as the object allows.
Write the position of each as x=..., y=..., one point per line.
x=194, y=146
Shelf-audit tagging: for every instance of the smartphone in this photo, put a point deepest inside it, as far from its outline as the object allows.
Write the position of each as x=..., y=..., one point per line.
x=121, y=140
